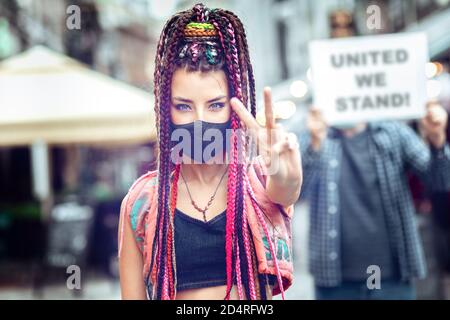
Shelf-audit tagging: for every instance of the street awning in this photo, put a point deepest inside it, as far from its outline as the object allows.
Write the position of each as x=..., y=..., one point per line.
x=50, y=97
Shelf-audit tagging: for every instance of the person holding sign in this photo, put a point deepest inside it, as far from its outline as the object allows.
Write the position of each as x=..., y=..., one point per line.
x=364, y=243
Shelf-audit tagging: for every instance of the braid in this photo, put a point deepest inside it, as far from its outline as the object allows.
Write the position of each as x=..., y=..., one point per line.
x=243, y=258
x=247, y=77
x=241, y=52
x=164, y=253
x=242, y=262
x=158, y=65
x=249, y=256
x=269, y=240
x=165, y=142
x=232, y=173
x=262, y=286
x=170, y=240
x=257, y=283
x=245, y=57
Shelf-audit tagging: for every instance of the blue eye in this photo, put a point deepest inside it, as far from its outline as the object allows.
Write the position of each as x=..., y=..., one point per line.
x=217, y=105
x=182, y=107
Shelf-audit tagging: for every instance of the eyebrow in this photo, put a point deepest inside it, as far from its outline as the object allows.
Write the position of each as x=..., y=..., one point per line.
x=190, y=101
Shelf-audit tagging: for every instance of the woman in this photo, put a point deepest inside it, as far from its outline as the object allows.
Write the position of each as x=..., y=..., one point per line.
x=223, y=229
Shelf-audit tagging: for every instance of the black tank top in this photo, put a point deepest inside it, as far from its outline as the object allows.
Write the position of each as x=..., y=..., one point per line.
x=200, y=251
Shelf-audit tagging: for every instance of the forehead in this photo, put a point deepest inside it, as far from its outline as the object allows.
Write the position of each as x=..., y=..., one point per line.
x=197, y=84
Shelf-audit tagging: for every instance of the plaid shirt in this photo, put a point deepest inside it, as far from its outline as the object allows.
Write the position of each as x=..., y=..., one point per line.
x=395, y=148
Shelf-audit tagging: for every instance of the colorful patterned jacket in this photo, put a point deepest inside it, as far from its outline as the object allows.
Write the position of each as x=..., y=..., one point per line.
x=140, y=207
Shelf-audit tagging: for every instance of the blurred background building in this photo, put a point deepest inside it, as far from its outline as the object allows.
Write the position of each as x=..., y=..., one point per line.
x=88, y=178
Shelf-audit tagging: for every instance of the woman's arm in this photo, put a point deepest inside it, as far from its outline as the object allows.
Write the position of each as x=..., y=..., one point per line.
x=130, y=265
x=284, y=186
x=284, y=193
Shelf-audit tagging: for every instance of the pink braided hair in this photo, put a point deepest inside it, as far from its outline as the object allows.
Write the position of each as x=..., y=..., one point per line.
x=239, y=248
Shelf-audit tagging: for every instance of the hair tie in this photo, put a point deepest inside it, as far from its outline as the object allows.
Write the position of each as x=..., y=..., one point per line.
x=201, y=38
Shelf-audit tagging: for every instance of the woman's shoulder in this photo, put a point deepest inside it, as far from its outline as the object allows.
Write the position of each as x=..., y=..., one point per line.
x=148, y=177
x=135, y=206
x=140, y=194
x=144, y=183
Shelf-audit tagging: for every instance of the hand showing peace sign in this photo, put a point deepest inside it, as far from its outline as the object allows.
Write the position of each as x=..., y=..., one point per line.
x=279, y=149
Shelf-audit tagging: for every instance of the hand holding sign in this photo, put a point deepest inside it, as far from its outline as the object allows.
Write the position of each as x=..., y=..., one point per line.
x=434, y=124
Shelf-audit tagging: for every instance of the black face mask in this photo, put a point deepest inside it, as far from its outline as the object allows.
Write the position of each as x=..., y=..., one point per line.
x=200, y=140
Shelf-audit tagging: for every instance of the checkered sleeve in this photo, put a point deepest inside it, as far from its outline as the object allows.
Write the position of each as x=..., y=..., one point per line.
x=310, y=163
x=431, y=164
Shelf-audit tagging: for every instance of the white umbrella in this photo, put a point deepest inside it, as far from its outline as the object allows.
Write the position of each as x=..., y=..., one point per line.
x=47, y=96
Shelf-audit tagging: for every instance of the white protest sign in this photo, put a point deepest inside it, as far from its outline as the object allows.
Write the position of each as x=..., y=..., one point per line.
x=370, y=78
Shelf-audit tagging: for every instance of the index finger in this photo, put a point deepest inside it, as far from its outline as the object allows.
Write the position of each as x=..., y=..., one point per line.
x=268, y=108
x=243, y=113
